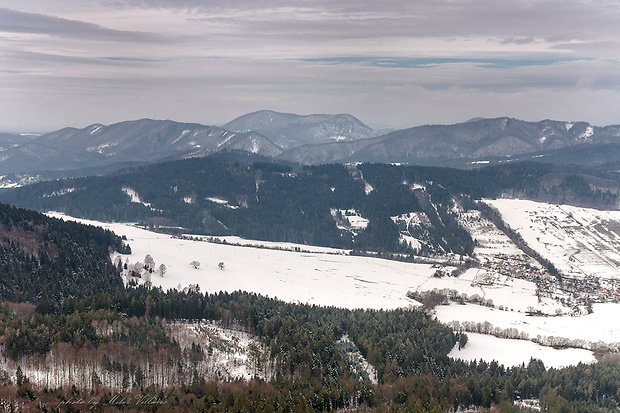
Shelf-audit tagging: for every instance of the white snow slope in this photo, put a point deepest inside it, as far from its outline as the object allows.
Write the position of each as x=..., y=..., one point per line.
x=578, y=241
x=320, y=278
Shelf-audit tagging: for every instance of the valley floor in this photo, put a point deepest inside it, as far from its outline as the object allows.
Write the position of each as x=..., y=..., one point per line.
x=331, y=277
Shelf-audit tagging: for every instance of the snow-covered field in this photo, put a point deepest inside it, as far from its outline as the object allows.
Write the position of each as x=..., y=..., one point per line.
x=511, y=352
x=511, y=293
x=329, y=277
x=600, y=326
x=318, y=277
x=578, y=241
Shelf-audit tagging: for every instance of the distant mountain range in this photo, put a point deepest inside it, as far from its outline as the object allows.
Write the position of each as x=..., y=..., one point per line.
x=10, y=140
x=139, y=141
x=469, y=142
x=99, y=148
x=311, y=139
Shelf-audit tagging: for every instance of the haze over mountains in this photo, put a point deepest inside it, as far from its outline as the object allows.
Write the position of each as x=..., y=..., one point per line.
x=469, y=141
x=289, y=130
x=311, y=139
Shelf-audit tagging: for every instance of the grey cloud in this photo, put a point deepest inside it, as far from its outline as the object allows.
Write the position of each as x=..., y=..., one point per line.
x=588, y=47
x=20, y=22
x=517, y=22
x=310, y=56
x=519, y=40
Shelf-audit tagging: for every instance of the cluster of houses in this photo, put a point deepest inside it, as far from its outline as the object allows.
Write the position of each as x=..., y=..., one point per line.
x=571, y=291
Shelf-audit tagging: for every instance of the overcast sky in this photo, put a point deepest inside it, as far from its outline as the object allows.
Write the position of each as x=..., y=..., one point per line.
x=396, y=63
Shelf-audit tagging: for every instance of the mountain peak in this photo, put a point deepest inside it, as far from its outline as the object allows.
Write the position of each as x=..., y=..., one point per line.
x=289, y=130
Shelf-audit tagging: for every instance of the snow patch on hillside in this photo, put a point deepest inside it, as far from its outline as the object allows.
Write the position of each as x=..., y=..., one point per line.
x=358, y=365
x=59, y=193
x=255, y=146
x=367, y=187
x=222, y=202
x=181, y=136
x=588, y=133
x=100, y=148
x=349, y=219
x=135, y=198
x=96, y=129
x=231, y=353
x=412, y=221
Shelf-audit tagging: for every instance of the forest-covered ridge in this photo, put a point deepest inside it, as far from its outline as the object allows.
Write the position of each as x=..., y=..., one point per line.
x=48, y=258
x=259, y=199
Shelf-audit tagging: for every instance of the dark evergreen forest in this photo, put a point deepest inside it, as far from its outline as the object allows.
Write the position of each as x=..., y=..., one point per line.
x=408, y=348
x=47, y=258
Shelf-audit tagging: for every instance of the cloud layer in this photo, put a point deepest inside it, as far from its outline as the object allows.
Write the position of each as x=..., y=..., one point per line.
x=397, y=63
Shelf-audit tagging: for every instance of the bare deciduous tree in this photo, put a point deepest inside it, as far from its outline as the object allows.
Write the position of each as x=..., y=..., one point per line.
x=149, y=263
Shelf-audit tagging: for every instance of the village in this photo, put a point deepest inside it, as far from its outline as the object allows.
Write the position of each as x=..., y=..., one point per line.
x=498, y=258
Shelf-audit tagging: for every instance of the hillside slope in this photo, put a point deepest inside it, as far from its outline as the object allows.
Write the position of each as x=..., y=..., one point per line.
x=47, y=258
x=378, y=207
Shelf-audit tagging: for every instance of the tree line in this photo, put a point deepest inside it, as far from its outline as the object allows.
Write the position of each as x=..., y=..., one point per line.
x=407, y=348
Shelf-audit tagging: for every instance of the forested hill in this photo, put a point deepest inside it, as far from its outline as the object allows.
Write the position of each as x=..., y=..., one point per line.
x=367, y=206
x=43, y=257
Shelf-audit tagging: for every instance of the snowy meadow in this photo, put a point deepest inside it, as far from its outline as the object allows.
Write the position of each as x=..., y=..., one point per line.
x=331, y=277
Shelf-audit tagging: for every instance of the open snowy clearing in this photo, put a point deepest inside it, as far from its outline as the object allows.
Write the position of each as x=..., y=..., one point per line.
x=316, y=277
x=579, y=241
x=510, y=352
x=600, y=326
x=321, y=276
x=325, y=276
x=511, y=293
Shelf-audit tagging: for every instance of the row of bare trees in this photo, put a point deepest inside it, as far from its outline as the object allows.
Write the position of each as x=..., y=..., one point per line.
x=549, y=341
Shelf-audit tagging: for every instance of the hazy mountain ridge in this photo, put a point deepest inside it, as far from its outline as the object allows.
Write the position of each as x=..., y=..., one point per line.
x=10, y=140
x=142, y=140
x=290, y=130
x=310, y=139
x=147, y=140
x=475, y=139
